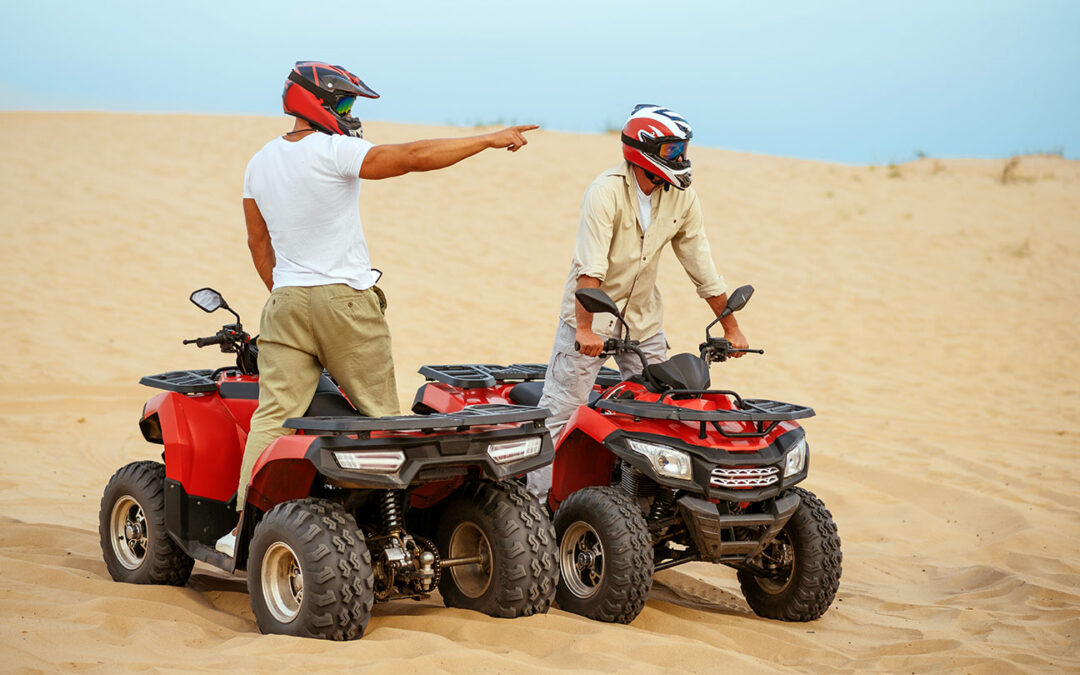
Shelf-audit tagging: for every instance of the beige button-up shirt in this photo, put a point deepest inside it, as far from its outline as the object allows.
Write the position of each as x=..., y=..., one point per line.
x=611, y=247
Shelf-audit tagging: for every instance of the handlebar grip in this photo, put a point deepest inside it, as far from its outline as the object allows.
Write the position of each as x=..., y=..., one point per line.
x=206, y=341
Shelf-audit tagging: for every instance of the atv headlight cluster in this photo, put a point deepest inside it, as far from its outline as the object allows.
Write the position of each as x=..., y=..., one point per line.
x=372, y=462
x=512, y=451
x=666, y=461
x=795, y=460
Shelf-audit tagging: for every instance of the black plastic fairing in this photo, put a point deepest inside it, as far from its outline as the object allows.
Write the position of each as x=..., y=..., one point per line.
x=682, y=371
x=705, y=460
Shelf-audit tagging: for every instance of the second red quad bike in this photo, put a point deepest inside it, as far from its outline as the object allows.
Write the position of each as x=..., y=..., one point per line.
x=349, y=511
x=661, y=469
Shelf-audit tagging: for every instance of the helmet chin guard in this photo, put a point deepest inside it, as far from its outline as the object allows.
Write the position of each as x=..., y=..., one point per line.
x=314, y=91
x=656, y=139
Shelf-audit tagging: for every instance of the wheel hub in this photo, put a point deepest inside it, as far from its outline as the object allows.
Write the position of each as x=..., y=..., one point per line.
x=128, y=532
x=582, y=559
x=282, y=582
x=469, y=541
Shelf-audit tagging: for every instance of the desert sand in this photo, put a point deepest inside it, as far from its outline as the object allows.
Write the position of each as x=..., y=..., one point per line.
x=927, y=311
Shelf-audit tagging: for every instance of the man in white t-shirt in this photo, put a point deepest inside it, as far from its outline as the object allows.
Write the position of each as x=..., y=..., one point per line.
x=301, y=193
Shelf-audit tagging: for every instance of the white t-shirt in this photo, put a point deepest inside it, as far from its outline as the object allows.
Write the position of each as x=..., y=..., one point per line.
x=644, y=207
x=308, y=192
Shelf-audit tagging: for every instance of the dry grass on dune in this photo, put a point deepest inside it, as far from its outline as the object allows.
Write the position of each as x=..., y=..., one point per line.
x=927, y=311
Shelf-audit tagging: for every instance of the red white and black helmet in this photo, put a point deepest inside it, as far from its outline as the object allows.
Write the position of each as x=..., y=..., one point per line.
x=656, y=139
x=323, y=95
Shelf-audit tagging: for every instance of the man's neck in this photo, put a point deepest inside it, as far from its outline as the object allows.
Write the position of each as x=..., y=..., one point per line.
x=644, y=184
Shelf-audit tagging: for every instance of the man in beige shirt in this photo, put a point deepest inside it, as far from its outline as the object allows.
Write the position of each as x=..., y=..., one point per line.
x=628, y=215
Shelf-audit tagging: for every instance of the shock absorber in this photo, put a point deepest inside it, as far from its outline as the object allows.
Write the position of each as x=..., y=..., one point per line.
x=661, y=505
x=393, y=511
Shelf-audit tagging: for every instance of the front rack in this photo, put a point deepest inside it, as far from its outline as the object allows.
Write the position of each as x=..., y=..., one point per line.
x=182, y=381
x=472, y=416
x=765, y=414
x=483, y=375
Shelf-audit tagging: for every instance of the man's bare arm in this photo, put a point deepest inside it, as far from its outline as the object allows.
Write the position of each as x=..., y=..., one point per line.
x=731, y=326
x=387, y=161
x=262, y=253
x=590, y=344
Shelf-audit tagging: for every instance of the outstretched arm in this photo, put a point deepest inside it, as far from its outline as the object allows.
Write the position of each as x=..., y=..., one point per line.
x=387, y=161
x=262, y=253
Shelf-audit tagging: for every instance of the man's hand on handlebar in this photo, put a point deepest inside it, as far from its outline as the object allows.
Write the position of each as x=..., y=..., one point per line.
x=737, y=339
x=588, y=342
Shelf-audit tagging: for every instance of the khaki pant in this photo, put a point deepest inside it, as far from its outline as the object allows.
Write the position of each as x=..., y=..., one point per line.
x=302, y=331
x=569, y=381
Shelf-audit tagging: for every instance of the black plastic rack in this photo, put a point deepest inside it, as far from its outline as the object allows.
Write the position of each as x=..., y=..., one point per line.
x=479, y=375
x=472, y=416
x=182, y=381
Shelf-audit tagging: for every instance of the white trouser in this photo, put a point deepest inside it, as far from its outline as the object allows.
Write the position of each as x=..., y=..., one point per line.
x=569, y=381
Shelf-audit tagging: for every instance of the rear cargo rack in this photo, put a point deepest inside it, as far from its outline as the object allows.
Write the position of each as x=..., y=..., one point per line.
x=480, y=375
x=182, y=381
x=765, y=414
x=472, y=416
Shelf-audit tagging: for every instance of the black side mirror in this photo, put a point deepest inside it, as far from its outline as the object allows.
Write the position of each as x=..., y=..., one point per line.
x=208, y=300
x=595, y=301
x=737, y=300
x=377, y=273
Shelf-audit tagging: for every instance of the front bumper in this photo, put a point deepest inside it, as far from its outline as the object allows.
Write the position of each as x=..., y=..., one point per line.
x=713, y=533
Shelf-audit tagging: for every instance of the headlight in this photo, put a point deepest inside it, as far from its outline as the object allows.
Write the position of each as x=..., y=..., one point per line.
x=796, y=459
x=372, y=462
x=512, y=451
x=665, y=461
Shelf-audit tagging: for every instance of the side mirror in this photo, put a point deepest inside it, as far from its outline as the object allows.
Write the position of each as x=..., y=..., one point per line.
x=208, y=300
x=595, y=301
x=737, y=300
x=377, y=273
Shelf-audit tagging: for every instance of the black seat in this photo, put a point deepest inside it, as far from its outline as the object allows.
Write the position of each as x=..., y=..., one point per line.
x=529, y=393
x=329, y=402
x=682, y=371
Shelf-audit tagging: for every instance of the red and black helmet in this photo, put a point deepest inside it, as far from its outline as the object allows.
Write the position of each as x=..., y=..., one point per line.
x=323, y=95
x=656, y=139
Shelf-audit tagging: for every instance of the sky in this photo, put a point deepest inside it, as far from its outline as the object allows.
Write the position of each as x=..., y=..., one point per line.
x=844, y=80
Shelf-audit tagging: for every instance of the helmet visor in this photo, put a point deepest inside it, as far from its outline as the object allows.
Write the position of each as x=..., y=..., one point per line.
x=672, y=150
x=344, y=105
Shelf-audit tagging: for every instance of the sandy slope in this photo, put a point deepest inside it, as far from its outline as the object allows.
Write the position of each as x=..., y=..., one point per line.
x=928, y=313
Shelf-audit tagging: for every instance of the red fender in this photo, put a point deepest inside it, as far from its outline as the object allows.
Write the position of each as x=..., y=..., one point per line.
x=282, y=472
x=203, y=443
x=581, y=460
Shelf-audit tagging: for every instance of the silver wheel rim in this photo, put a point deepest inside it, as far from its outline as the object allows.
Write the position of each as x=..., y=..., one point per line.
x=468, y=541
x=785, y=557
x=282, y=582
x=127, y=530
x=581, y=560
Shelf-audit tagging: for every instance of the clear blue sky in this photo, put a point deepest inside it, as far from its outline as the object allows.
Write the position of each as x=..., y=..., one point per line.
x=845, y=80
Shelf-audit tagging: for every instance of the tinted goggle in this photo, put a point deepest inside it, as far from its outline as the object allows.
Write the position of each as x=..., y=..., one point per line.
x=672, y=150
x=344, y=105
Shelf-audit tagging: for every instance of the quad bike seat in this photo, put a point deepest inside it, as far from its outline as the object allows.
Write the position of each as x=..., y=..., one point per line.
x=528, y=393
x=682, y=371
x=328, y=401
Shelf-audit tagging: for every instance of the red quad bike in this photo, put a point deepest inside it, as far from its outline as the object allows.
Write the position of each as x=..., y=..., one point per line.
x=324, y=533
x=660, y=470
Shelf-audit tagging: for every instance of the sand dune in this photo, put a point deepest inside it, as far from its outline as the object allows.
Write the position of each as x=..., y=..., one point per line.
x=926, y=311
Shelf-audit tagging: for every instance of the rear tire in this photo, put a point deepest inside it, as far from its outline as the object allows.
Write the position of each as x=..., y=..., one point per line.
x=808, y=550
x=131, y=526
x=309, y=572
x=605, y=555
x=504, y=525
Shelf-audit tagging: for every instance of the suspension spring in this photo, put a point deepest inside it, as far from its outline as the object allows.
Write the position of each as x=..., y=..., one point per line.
x=393, y=510
x=661, y=505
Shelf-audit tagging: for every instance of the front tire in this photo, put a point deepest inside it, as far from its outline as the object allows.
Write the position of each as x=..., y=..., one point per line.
x=309, y=572
x=806, y=558
x=131, y=525
x=605, y=555
x=503, y=526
